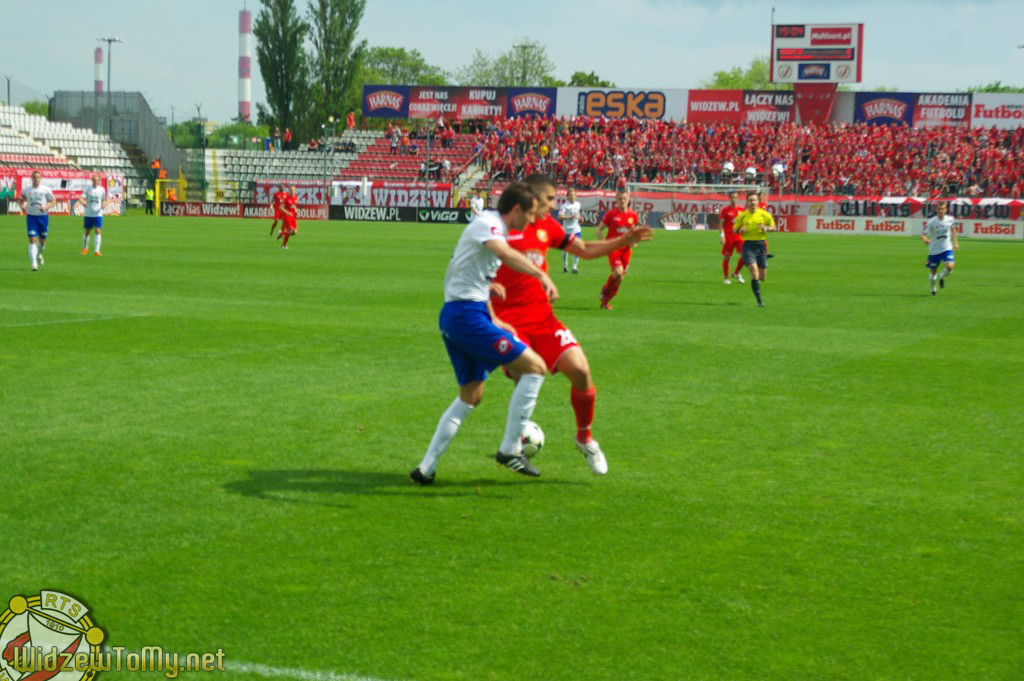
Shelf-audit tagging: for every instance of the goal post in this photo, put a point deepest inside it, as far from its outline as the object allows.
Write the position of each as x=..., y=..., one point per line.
x=170, y=190
x=674, y=206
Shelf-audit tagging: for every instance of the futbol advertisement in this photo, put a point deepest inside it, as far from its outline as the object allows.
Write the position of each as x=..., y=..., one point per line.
x=884, y=108
x=975, y=229
x=1005, y=111
x=933, y=109
x=396, y=194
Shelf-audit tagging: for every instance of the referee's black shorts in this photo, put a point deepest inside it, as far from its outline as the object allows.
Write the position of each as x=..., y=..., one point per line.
x=755, y=251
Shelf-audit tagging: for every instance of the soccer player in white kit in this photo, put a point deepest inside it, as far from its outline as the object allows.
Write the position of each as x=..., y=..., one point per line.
x=570, y=212
x=37, y=201
x=475, y=344
x=940, y=235
x=93, y=198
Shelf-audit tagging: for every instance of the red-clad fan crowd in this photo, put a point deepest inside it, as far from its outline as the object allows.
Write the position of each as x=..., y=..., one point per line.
x=838, y=158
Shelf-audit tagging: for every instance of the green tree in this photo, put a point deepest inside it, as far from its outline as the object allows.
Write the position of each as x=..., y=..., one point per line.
x=37, y=107
x=757, y=76
x=398, y=66
x=525, y=64
x=581, y=79
x=280, y=33
x=995, y=86
x=336, y=57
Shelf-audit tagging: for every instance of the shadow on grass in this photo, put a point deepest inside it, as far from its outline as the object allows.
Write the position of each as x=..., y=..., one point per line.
x=271, y=485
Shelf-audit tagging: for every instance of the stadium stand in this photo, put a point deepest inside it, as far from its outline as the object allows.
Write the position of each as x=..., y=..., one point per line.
x=34, y=141
x=244, y=166
x=378, y=162
x=839, y=158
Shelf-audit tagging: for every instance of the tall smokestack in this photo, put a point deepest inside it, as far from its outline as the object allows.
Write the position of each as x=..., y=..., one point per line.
x=97, y=71
x=245, y=65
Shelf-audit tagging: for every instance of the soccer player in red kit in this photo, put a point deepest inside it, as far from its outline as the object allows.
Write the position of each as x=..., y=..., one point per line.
x=289, y=214
x=620, y=220
x=276, y=201
x=520, y=303
x=730, y=240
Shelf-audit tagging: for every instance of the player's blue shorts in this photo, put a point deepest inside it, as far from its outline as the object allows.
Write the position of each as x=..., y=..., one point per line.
x=38, y=225
x=96, y=222
x=475, y=345
x=935, y=260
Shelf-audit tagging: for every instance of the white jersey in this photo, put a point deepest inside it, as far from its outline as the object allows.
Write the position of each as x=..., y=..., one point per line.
x=93, y=197
x=472, y=265
x=37, y=198
x=476, y=204
x=941, y=234
x=571, y=212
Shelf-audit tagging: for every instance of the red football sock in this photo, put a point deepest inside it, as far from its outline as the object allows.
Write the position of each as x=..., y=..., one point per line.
x=612, y=287
x=725, y=267
x=739, y=266
x=583, y=405
x=287, y=235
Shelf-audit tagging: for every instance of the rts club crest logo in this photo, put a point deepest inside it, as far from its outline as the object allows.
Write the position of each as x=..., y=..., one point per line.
x=47, y=637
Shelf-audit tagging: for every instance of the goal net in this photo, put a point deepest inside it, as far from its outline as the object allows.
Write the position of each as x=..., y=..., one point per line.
x=685, y=206
x=170, y=190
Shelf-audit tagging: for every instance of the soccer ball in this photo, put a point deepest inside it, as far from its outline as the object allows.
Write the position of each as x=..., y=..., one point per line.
x=533, y=440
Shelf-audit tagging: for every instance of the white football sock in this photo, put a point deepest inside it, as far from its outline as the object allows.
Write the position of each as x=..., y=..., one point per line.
x=99, y=238
x=945, y=273
x=520, y=409
x=33, y=252
x=565, y=260
x=85, y=242
x=575, y=262
x=447, y=427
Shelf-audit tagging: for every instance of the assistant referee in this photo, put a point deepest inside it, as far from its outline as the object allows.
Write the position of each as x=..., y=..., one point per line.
x=753, y=224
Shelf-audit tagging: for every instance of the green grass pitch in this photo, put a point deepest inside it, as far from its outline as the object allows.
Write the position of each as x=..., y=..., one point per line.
x=207, y=439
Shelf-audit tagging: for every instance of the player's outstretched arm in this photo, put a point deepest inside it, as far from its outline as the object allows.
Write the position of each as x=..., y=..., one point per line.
x=518, y=262
x=595, y=249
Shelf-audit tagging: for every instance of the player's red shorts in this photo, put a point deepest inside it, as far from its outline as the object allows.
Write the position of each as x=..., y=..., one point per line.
x=732, y=245
x=620, y=258
x=541, y=330
x=290, y=223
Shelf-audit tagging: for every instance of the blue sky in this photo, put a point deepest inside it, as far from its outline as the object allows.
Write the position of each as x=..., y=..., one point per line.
x=185, y=52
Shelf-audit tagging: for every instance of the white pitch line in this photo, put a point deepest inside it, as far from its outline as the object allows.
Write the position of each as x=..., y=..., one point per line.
x=294, y=673
x=80, y=320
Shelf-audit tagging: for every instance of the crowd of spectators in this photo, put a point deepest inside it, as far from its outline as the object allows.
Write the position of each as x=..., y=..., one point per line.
x=837, y=158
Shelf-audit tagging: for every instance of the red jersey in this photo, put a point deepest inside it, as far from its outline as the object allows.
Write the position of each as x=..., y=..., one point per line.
x=290, y=203
x=620, y=222
x=728, y=217
x=533, y=242
x=279, y=198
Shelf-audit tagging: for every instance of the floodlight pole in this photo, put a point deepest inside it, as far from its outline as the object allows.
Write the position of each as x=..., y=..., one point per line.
x=523, y=47
x=110, y=114
x=332, y=126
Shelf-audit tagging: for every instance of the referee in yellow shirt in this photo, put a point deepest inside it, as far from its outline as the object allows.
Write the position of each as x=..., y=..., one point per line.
x=753, y=224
